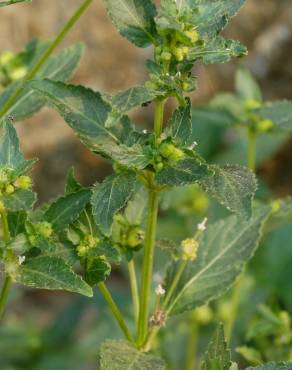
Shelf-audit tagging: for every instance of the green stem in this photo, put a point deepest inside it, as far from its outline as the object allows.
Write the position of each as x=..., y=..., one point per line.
x=192, y=343
x=7, y=280
x=134, y=289
x=235, y=302
x=149, y=247
x=44, y=57
x=174, y=283
x=251, y=154
x=116, y=312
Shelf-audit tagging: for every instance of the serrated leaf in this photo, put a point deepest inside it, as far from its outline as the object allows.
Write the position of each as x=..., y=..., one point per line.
x=110, y=196
x=60, y=67
x=186, y=171
x=273, y=366
x=20, y=200
x=180, y=126
x=72, y=185
x=134, y=19
x=124, y=101
x=224, y=248
x=121, y=355
x=108, y=251
x=233, y=186
x=67, y=209
x=279, y=112
x=218, y=50
x=50, y=273
x=97, y=271
x=217, y=356
x=11, y=2
x=246, y=86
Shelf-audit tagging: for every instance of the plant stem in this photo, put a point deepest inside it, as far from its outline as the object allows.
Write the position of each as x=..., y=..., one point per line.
x=7, y=280
x=192, y=343
x=116, y=312
x=150, y=236
x=44, y=57
x=251, y=155
x=134, y=289
x=235, y=301
x=174, y=283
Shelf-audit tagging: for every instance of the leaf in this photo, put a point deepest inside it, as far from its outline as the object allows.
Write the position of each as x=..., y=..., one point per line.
x=180, y=127
x=218, y=50
x=217, y=356
x=51, y=273
x=134, y=19
x=121, y=355
x=72, y=185
x=246, y=86
x=279, y=112
x=110, y=196
x=273, y=366
x=186, y=171
x=123, y=102
x=135, y=210
x=251, y=355
x=224, y=249
x=97, y=271
x=20, y=200
x=65, y=210
x=11, y=2
x=213, y=116
x=60, y=67
x=233, y=186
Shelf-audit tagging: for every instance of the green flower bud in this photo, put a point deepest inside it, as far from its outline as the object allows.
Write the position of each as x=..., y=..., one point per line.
x=6, y=58
x=193, y=35
x=179, y=54
x=171, y=152
x=159, y=166
x=185, y=86
x=2, y=207
x=82, y=250
x=151, y=85
x=166, y=56
x=201, y=203
x=204, y=315
x=135, y=237
x=264, y=125
x=189, y=249
x=18, y=73
x=23, y=182
x=252, y=104
x=10, y=189
x=44, y=229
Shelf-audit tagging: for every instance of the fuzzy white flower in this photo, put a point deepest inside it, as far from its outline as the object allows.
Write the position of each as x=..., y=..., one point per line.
x=21, y=260
x=202, y=225
x=159, y=290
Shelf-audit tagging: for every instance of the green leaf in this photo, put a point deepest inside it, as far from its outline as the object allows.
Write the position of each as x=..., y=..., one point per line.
x=67, y=209
x=50, y=273
x=246, y=86
x=72, y=185
x=233, y=186
x=110, y=196
x=273, y=366
x=20, y=200
x=136, y=207
x=213, y=116
x=134, y=19
x=251, y=355
x=217, y=356
x=97, y=271
x=186, y=171
x=180, y=127
x=60, y=67
x=121, y=355
x=219, y=50
x=279, y=112
x=123, y=102
x=224, y=248
x=11, y=2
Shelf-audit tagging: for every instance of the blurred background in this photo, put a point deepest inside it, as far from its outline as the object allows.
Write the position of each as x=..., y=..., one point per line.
x=111, y=64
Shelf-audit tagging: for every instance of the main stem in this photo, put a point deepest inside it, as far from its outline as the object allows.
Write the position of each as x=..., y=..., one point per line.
x=251, y=154
x=115, y=311
x=134, y=289
x=44, y=57
x=7, y=280
x=150, y=237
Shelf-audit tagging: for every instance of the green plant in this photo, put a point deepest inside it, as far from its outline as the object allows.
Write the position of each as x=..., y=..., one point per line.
x=87, y=230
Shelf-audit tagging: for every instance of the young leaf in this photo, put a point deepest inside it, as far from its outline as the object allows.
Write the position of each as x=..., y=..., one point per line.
x=246, y=86
x=50, y=273
x=279, y=112
x=60, y=67
x=121, y=355
x=233, y=186
x=110, y=196
x=273, y=366
x=224, y=249
x=180, y=127
x=67, y=209
x=134, y=19
x=217, y=356
x=72, y=185
x=186, y=171
x=10, y=2
x=97, y=270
